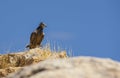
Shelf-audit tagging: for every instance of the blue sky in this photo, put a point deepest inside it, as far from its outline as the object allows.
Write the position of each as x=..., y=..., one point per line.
x=87, y=27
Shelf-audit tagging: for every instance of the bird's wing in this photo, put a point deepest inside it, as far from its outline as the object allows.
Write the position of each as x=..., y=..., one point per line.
x=40, y=38
x=33, y=38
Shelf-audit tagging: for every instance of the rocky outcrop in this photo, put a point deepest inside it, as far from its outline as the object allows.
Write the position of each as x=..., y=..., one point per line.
x=76, y=67
x=15, y=61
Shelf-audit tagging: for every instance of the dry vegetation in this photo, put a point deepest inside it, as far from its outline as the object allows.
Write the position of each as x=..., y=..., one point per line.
x=14, y=61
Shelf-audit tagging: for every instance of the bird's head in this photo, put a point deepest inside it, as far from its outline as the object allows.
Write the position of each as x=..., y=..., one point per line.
x=42, y=25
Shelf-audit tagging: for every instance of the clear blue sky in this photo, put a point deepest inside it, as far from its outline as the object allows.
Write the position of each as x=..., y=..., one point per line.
x=88, y=27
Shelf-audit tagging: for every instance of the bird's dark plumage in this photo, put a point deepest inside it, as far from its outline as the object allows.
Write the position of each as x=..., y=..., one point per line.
x=36, y=37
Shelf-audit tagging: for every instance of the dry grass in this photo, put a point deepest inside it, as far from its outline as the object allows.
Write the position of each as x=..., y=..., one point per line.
x=12, y=62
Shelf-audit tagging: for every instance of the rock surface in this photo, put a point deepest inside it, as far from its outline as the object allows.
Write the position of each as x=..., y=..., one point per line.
x=13, y=62
x=76, y=67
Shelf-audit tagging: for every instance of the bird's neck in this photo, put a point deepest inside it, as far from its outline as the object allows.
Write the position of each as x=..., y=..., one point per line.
x=41, y=29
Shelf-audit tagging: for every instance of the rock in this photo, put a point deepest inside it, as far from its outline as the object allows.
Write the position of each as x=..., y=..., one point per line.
x=6, y=71
x=76, y=67
x=12, y=62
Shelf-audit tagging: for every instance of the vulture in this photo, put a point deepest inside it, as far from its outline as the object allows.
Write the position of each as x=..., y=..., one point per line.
x=36, y=37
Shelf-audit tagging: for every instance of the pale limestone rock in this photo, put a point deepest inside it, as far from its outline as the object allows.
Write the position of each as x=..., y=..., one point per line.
x=76, y=67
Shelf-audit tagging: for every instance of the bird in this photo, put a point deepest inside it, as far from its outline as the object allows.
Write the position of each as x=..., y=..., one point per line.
x=36, y=37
